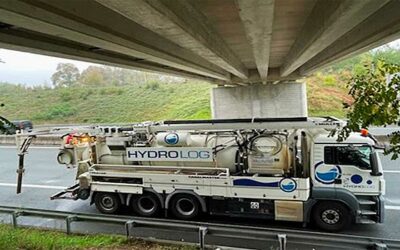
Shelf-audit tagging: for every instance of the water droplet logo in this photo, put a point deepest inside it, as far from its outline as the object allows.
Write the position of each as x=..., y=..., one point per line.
x=171, y=138
x=288, y=185
x=327, y=173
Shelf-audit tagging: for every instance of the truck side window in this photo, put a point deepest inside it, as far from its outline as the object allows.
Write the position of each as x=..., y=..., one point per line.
x=348, y=155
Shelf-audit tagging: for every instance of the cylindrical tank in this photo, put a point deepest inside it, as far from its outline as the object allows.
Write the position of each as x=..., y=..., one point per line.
x=265, y=154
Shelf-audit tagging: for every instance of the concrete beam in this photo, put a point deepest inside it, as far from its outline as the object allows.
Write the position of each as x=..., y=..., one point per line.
x=71, y=20
x=37, y=43
x=257, y=17
x=380, y=28
x=181, y=22
x=328, y=21
x=274, y=75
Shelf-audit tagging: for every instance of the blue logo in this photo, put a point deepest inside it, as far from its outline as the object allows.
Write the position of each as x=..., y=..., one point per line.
x=171, y=138
x=288, y=185
x=327, y=174
x=356, y=179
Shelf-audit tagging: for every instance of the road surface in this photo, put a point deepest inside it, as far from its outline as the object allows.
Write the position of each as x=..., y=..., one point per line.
x=44, y=177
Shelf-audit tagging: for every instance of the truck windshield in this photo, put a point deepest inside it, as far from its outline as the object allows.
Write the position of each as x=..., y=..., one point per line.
x=348, y=155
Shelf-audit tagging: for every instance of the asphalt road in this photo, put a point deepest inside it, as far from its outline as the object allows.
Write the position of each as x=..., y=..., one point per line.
x=44, y=177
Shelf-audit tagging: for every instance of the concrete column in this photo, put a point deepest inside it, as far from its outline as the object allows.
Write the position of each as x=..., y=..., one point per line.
x=260, y=101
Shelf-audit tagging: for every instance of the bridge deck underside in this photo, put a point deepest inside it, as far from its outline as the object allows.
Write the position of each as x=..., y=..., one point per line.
x=226, y=42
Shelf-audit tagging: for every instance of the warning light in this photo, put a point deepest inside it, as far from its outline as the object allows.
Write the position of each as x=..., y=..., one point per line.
x=364, y=132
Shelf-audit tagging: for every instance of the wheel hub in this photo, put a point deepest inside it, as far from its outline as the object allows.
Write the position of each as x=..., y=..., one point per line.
x=185, y=206
x=330, y=216
x=146, y=204
x=107, y=202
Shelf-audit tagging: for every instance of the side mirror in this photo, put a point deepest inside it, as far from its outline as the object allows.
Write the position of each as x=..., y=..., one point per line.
x=374, y=165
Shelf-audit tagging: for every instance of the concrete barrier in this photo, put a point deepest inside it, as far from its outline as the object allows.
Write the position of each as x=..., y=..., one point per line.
x=39, y=140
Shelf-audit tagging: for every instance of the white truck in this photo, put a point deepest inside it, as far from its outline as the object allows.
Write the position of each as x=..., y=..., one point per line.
x=287, y=169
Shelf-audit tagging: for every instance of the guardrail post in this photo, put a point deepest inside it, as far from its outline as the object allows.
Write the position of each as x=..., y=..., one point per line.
x=380, y=246
x=282, y=241
x=202, y=235
x=68, y=221
x=128, y=225
x=14, y=217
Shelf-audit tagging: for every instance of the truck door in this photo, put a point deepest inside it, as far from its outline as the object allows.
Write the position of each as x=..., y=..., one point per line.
x=349, y=167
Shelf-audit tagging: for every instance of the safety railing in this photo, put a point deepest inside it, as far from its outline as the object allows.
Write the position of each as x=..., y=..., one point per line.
x=281, y=238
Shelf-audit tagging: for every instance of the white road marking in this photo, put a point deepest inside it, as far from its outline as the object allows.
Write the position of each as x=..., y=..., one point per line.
x=392, y=207
x=392, y=171
x=32, y=186
x=38, y=147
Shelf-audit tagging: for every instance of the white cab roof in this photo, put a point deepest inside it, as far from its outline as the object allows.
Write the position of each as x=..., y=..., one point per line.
x=354, y=138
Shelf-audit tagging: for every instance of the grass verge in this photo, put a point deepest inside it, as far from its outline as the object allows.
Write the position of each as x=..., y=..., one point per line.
x=37, y=239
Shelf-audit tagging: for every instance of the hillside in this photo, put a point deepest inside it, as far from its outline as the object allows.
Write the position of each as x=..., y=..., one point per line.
x=140, y=102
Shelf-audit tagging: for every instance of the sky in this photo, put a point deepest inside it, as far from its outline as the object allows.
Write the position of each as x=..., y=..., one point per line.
x=32, y=69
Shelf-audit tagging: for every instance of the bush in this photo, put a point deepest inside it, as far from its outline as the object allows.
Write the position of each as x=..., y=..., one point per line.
x=56, y=112
x=152, y=85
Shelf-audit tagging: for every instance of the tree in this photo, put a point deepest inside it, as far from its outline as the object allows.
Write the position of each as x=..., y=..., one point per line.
x=93, y=75
x=376, y=101
x=66, y=75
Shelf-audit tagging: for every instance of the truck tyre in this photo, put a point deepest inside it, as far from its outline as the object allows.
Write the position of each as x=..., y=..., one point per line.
x=185, y=206
x=331, y=216
x=107, y=203
x=146, y=204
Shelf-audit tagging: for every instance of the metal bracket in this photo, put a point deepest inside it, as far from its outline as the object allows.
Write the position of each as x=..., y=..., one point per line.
x=14, y=217
x=282, y=241
x=68, y=222
x=202, y=235
x=128, y=226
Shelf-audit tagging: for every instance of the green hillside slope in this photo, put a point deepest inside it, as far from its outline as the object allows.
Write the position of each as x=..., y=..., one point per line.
x=112, y=104
x=131, y=103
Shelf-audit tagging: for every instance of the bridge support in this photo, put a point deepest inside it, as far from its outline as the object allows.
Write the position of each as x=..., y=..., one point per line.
x=260, y=101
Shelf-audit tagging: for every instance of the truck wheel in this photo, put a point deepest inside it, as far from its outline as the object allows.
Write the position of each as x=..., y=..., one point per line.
x=107, y=203
x=331, y=216
x=146, y=205
x=185, y=206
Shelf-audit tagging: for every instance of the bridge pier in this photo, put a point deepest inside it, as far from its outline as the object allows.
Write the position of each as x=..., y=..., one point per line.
x=260, y=101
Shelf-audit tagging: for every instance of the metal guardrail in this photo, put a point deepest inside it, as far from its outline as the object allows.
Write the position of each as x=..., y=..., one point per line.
x=266, y=236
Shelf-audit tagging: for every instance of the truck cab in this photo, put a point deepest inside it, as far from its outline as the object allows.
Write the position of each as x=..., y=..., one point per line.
x=351, y=173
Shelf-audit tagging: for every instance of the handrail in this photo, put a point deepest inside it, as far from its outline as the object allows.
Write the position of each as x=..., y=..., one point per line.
x=276, y=236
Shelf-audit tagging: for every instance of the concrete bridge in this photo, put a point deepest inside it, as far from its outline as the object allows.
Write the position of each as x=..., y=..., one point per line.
x=238, y=43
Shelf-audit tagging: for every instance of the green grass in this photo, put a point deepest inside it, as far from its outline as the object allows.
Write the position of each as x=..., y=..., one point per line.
x=142, y=102
x=34, y=239
x=111, y=104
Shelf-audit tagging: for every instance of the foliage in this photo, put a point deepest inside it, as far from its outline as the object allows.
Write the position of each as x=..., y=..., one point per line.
x=107, y=104
x=5, y=124
x=376, y=101
x=326, y=93
x=136, y=102
x=58, y=111
x=93, y=75
x=27, y=238
x=65, y=75
x=356, y=64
